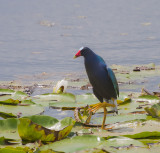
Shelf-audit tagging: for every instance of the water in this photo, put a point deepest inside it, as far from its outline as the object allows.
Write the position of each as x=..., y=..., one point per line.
x=122, y=32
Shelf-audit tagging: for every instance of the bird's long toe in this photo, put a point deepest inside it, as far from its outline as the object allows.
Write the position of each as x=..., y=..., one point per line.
x=95, y=107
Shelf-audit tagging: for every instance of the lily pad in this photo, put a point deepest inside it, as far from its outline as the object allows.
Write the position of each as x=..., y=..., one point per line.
x=88, y=142
x=149, y=98
x=43, y=120
x=31, y=132
x=145, y=135
x=15, y=150
x=6, y=91
x=10, y=102
x=7, y=115
x=81, y=101
x=154, y=111
x=23, y=110
x=6, y=141
x=63, y=97
x=120, y=118
x=74, y=144
x=8, y=128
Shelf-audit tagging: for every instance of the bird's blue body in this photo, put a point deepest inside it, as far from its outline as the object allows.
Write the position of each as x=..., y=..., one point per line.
x=101, y=78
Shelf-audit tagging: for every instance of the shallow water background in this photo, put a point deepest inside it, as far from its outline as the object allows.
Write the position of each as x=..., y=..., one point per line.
x=42, y=36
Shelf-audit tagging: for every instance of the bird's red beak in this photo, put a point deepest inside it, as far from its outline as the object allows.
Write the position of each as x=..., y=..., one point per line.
x=78, y=54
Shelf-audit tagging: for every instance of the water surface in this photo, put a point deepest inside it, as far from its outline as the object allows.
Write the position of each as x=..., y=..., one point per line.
x=122, y=32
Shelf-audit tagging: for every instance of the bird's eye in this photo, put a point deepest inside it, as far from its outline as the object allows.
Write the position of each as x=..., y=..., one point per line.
x=81, y=48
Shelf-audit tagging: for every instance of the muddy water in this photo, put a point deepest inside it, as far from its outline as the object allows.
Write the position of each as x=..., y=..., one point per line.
x=42, y=36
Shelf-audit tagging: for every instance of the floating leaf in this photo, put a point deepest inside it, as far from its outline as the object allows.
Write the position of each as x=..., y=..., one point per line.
x=6, y=141
x=81, y=101
x=74, y=144
x=145, y=135
x=149, y=97
x=43, y=120
x=120, y=118
x=30, y=131
x=154, y=111
x=10, y=102
x=8, y=128
x=19, y=95
x=6, y=91
x=15, y=150
x=64, y=97
x=23, y=110
x=7, y=115
x=123, y=99
x=88, y=142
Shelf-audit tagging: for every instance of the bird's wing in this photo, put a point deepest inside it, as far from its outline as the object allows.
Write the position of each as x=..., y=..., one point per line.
x=114, y=80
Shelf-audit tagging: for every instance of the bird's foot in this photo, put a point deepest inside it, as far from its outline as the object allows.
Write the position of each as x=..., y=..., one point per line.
x=97, y=106
x=104, y=128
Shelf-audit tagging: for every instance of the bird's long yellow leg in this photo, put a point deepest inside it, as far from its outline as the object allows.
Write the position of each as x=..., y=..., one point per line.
x=103, y=105
x=104, y=118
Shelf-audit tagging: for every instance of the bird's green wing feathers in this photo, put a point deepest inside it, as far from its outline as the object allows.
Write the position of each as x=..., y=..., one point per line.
x=114, y=80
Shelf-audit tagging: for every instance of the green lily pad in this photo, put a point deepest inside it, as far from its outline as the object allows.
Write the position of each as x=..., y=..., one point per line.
x=119, y=118
x=10, y=102
x=23, y=110
x=123, y=99
x=87, y=99
x=154, y=111
x=6, y=91
x=6, y=141
x=15, y=150
x=7, y=115
x=63, y=97
x=74, y=144
x=145, y=135
x=11, y=94
x=8, y=128
x=31, y=132
x=88, y=142
x=81, y=101
x=122, y=141
x=19, y=95
x=149, y=98
x=43, y=120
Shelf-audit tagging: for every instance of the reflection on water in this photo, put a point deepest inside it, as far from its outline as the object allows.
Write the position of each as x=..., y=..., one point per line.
x=43, y=36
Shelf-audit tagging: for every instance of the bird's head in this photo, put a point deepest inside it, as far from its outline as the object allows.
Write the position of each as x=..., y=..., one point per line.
x=82, y=52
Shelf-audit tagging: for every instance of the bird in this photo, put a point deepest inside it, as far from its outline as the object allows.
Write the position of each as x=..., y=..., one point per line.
x=102, y=79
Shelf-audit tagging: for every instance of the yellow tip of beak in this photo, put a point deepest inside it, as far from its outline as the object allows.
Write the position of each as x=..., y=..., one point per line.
x=74, y=57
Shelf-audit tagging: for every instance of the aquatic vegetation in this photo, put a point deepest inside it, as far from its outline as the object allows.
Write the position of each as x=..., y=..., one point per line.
x=25, y=128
